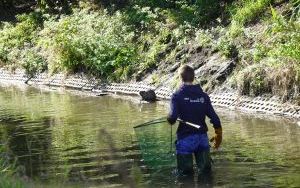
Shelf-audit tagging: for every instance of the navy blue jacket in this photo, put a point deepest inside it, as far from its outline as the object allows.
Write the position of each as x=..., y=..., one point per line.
x=191, y=104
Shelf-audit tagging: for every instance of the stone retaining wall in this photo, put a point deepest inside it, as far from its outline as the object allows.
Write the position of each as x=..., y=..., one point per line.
x=226, y=99
x=262, y=105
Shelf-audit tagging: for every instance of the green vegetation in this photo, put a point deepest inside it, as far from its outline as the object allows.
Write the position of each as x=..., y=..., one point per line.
x=245, y=12
x=110, y=43
x=95, y=43
x=250, y=10
x=276, y=57
x=124, y=40
x=264, y=40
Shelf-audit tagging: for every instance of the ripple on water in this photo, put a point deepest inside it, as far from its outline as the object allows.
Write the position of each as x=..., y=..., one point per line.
x=89, y=141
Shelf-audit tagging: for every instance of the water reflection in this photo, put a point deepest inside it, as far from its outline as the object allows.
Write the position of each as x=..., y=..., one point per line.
x=27, y=142
x=64, y=139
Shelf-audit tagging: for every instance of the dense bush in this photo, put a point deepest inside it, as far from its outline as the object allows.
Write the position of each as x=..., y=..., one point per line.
x=16, y=39
x=197, y=12
x=141, y=19
x=92, y=42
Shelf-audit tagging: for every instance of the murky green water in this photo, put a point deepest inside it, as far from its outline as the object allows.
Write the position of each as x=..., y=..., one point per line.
x=61, y=139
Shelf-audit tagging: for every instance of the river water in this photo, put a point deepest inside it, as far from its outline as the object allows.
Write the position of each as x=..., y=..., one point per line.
x=62, y=139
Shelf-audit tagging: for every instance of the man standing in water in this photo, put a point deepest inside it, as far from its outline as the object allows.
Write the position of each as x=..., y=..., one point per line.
x=191, y=104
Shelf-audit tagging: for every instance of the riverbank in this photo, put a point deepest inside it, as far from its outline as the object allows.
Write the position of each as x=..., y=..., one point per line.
x=225, y=98
x=248, y=46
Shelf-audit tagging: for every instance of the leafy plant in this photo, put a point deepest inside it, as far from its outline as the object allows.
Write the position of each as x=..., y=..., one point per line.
x=204, y=38
x=94, y=43
x=32, y=62
x=227, y=48
x=15, y=38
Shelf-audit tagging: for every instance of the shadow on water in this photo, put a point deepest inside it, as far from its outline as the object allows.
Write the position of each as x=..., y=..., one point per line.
x=121, y=168
x=28, y=143
x=31, y=145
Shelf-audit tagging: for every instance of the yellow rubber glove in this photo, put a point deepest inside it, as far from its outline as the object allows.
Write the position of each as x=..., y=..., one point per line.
x=217, y=139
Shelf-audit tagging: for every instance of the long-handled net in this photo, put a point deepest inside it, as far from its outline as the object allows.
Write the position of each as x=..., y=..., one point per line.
x=152, y=122
x=155, y=139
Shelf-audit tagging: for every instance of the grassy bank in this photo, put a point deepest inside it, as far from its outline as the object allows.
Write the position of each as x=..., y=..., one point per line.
x=124, y=41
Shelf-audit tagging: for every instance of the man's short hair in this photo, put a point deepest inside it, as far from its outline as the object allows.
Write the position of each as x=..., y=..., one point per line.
x=187, y=73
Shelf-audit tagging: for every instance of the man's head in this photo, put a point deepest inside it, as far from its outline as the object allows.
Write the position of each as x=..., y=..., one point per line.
x=187, y=74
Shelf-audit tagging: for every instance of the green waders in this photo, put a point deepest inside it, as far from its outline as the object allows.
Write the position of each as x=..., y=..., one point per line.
x=203, y=161
x=185, y=162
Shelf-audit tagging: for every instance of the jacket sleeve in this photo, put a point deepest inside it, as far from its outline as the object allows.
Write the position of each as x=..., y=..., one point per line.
x=214, y=118
x=173, y=114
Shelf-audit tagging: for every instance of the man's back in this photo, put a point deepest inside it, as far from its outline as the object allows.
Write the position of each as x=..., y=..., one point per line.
x=191, y=104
